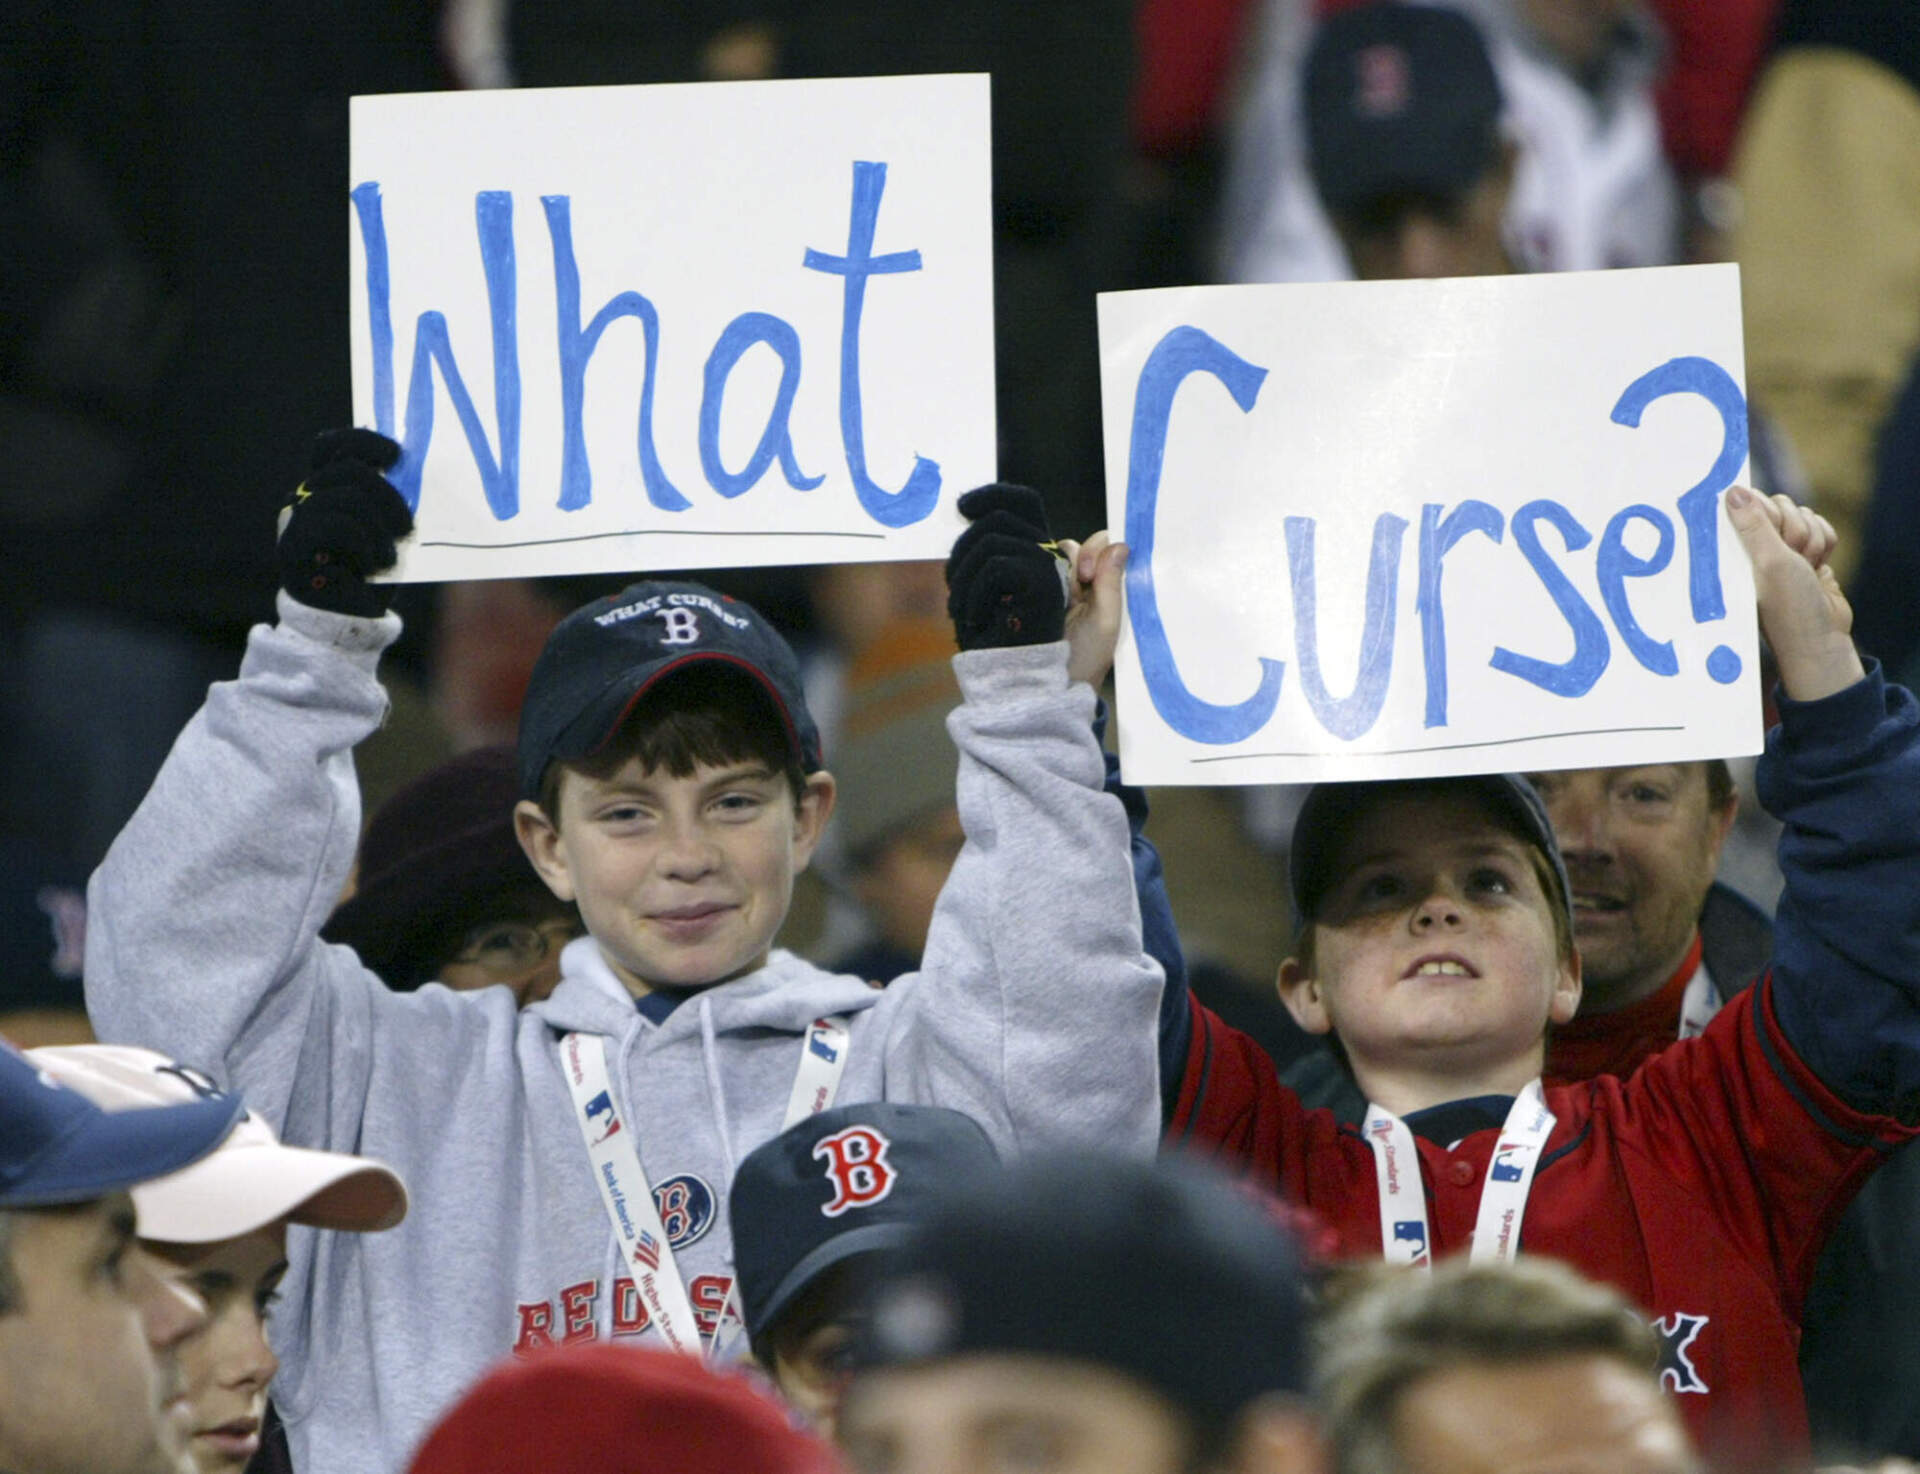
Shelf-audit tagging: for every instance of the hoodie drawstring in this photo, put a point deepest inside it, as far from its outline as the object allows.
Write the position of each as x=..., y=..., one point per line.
x=716, y=1092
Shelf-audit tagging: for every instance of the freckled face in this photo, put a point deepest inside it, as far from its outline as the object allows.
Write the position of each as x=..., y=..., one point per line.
x=683, y=881
x=1435, y=947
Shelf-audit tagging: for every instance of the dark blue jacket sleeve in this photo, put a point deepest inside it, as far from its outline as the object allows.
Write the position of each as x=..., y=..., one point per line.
x=1843, y=775
x=1159, y=938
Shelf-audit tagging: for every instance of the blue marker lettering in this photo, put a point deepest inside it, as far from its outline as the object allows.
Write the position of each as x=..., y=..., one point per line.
x=1700, y=507
x=493, y=221
x=1615, y=565
x=1184, y=350
x=1436, y=537
x=576, y=350
x=1591, y=651
x=741, y=334
x=1352, y=715
x=917, y=498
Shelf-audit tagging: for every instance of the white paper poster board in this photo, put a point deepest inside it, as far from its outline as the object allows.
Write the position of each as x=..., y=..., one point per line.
x=1393, y=529
x=633, y=328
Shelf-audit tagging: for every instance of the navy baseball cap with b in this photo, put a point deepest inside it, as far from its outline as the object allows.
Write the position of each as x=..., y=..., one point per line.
x=1399, y=99
x=1331, y=809
x=602, y=658
x=56, y=1146
x=853, y=1180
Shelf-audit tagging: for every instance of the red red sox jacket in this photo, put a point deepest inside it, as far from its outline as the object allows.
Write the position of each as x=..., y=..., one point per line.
x=1703, y=1188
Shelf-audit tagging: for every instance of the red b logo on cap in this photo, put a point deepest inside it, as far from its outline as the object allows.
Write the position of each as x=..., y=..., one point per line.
x=856, y=1159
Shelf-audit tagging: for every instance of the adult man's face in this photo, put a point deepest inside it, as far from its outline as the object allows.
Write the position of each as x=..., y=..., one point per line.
x=87, y=1377
x=1641, y=846
x=1582, y=1413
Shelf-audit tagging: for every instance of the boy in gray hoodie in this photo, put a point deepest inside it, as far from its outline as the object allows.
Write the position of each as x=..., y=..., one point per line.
x=570, y=1161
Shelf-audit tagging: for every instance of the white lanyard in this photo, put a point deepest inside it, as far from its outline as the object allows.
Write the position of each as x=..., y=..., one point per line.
x=622, y=1181
x=1404, y=1237
x=1699, y=1003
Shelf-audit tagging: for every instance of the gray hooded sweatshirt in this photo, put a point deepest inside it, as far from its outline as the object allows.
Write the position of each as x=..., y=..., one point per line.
x=1034, y=1013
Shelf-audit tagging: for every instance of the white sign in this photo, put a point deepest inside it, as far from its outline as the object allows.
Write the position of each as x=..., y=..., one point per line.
x=637, y=328
x=1395, y=529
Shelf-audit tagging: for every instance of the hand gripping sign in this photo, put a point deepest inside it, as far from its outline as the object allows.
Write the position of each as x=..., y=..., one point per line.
x=1400, y=529
x=678, y=326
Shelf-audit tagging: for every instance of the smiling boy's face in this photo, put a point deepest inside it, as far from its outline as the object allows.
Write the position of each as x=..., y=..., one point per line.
x=1434, y=950
x=683, y=881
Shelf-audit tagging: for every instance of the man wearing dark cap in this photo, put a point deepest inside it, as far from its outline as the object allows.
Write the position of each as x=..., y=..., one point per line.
x=1386, y=106
x=570, y=1159
x=1085, y=1315
x=88, y=1323
x=817, y=1212
x=1404, y=137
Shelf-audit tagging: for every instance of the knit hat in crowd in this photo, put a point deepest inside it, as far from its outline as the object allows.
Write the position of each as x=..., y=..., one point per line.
x=609, y=1408
x=846, y=1182
x=602, y=658
x=1166, y=1272
x=434, y=859
x=893, y=757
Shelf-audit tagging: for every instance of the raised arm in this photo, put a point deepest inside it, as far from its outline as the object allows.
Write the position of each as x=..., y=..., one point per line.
x=1779, y=1110
x=204, y=919
x=1036, y=1008
x=1842, y=771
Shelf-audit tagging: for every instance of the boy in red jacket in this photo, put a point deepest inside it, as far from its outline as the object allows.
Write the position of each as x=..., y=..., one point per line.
x=1435, y=944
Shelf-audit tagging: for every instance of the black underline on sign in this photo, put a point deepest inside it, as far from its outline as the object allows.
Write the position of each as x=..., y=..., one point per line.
x=1238, y=757
x=589, y=537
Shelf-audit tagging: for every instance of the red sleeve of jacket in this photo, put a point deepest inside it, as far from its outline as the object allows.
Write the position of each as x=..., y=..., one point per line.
x=1232, y=1107
x=1773, y=1153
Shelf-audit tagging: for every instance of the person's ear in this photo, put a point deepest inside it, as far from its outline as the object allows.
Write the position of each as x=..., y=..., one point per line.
x=1304, y=997
x=539, y=837
x=810, y=816
x=1278, y=1435
x=1566, y=991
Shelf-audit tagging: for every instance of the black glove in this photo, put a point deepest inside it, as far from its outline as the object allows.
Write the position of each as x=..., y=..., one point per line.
x=342, y=525
x=1003, y=578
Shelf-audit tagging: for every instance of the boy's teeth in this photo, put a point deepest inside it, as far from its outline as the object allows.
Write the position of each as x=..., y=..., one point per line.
x=1447, y=969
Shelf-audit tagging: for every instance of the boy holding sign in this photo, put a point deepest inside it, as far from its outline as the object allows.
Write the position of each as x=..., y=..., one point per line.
x=570, y=1160
x=1436, y=945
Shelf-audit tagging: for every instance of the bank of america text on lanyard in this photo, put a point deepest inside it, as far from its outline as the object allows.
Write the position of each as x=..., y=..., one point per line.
x=624, y=1189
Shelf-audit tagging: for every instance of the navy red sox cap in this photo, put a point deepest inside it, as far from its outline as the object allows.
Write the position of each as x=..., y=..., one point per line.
x=602, y=658
x=1164, y=1271
x=1331, y=810
x=1399, y=99
x=56, y=1146
x=849, y=1181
